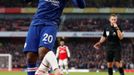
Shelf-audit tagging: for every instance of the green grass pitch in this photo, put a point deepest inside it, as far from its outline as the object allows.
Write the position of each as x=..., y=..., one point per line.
x=72, y=73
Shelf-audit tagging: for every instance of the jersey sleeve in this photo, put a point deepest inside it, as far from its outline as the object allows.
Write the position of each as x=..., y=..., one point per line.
x=104, y=32
x=79, y=3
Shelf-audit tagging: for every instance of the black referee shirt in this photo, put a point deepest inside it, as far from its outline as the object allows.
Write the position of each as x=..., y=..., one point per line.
x=113, y=41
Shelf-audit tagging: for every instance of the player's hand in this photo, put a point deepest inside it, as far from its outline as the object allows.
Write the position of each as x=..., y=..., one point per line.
x=58, y=72
x=97, y=45
x=115, y=24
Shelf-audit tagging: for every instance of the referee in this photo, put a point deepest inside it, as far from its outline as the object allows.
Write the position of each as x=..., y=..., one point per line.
x=112, y=35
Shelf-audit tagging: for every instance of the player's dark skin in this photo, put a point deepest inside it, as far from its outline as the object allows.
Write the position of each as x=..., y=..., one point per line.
x=32, y=57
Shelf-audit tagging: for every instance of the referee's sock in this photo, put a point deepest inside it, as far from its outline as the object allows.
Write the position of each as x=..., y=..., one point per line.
x=121, y=71
x=110, y=71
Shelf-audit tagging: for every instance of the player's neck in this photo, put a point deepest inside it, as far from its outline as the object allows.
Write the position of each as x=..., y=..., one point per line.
x=62, y=45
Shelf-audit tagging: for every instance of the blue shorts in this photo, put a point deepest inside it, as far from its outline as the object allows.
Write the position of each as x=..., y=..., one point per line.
x=40, y=36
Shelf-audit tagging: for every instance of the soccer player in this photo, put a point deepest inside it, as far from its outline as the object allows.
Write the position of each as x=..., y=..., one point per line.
x=63, y=54
x=42, y=35
x=112, y=35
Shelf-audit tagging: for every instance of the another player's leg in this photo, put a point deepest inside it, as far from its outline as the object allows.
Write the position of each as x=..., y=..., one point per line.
x=118, y=62
x=44, y=65
x=49, y=59
x=66, y=66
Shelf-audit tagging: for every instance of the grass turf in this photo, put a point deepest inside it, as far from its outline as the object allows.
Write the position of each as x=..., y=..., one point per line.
x=72, y=73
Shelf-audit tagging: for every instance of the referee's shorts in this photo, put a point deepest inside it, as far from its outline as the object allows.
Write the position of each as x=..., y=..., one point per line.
x=113, y=55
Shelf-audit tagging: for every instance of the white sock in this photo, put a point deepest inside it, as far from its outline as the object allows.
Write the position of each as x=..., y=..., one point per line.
x=48, y=60
x=61, y=68
x=66, y=69
x=51, y=59
x=43, y=68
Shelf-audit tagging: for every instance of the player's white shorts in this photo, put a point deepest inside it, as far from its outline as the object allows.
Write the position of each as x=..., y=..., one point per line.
x=63, y=62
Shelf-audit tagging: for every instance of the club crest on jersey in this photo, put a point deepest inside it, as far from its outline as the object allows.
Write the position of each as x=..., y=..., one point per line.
x=54, y=2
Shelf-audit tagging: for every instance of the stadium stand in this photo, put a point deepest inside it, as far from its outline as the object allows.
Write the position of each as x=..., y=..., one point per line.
x=95, y=24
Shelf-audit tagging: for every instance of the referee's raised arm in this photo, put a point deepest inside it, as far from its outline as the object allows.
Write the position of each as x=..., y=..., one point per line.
x=119, y=31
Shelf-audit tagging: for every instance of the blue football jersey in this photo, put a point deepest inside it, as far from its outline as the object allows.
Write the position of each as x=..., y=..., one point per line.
x=48, y=12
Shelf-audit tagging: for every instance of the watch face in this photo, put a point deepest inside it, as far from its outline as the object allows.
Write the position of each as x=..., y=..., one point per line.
x=107, y=33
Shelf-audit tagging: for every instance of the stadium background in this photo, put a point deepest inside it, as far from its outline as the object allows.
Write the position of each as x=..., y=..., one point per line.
x=80, y=28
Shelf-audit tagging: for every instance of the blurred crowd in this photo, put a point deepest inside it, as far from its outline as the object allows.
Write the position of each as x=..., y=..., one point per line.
x=83, y=55
x=95, y=24
x=14, y=24
x=17, y=55
x=89, y=3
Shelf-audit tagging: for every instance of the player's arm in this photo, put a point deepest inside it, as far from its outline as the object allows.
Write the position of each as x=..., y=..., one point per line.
x=120, y=33
x=101, y=41
x=79, y=3
x=57, y=52
x=68, y=52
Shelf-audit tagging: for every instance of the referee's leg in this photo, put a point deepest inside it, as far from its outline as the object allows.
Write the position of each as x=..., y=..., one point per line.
x=110, y=62
x=118, y=62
